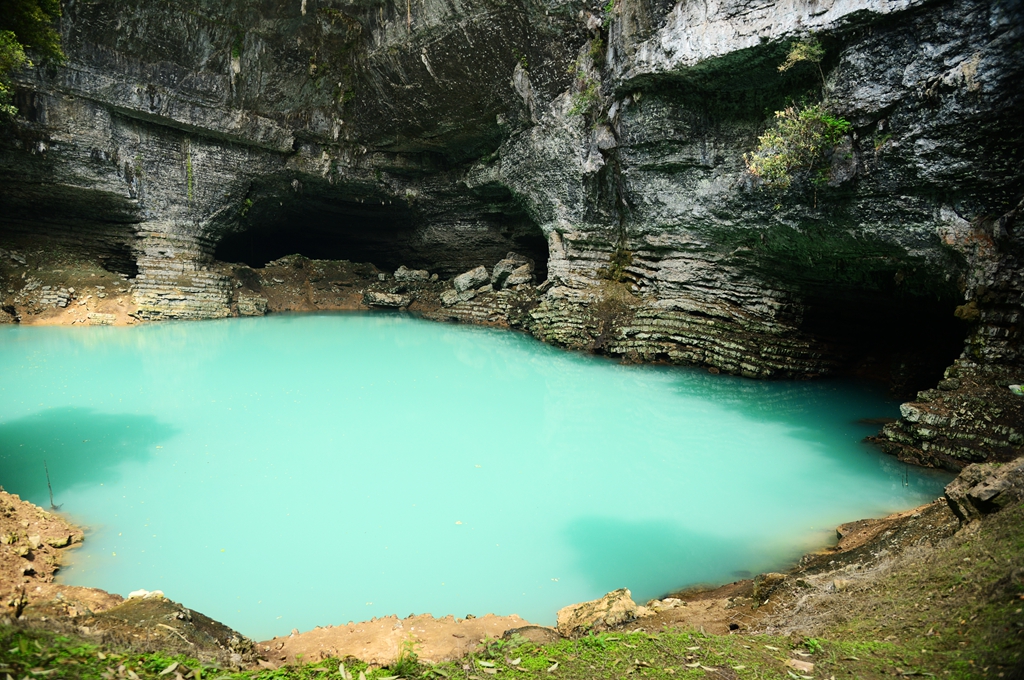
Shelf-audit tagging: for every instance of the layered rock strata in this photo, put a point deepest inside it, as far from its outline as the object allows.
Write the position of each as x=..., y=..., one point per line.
x=606, y=146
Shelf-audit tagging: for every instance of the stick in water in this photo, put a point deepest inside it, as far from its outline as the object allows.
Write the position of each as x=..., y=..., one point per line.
x=52, y=506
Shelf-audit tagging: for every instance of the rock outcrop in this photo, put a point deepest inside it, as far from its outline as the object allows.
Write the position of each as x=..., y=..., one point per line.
x=986, y=488
x=614, y=609
x=605, y=147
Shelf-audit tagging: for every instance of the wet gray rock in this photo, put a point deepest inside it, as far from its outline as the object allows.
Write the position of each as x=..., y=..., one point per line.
x=474, y=278
x=405, y=274
x=380, y=299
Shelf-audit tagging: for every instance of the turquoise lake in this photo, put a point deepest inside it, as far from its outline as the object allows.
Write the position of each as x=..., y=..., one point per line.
x=293, y=471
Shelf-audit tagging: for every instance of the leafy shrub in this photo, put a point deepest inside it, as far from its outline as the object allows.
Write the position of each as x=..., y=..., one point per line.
x=26, y=24
x=810, y=51
x=12, y=57
x=801, y=141
x=584, y=100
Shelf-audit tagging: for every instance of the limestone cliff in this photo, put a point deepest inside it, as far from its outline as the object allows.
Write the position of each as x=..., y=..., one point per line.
x=605, y=142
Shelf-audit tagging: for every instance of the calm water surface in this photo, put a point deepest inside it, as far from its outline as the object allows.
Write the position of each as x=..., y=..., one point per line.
x=295, y=471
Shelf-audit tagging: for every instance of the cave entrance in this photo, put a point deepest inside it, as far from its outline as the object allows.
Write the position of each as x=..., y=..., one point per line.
x=386, y=234
x=61, y=222
x=905, y=341
x=349, y=230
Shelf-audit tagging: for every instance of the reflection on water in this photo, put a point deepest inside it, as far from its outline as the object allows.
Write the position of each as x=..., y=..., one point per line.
x=414, y=466
x=80, y=447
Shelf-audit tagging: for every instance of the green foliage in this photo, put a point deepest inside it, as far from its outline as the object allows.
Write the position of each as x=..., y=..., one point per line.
x=608, y=8
x=521, y=58
x=12, y=57
x=616, y=269
x=407, y=664
x=32, y=22
x=801, y=141
x=809, y=50
x=813, y=646
x=26, y=25
x=596, y=51
x=584, y=100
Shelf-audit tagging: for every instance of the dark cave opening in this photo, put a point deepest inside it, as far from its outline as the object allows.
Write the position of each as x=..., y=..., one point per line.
x=344, y=231
x=386, y=234
x=904, y=341
x=96, y=225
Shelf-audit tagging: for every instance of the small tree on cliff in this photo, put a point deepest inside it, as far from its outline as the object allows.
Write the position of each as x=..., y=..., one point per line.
x=803, y=137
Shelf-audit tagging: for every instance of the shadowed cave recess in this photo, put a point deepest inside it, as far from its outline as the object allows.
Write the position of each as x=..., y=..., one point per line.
x=386, y=233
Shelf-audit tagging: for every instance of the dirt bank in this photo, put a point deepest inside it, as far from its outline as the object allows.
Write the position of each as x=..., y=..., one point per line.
x=32, y=545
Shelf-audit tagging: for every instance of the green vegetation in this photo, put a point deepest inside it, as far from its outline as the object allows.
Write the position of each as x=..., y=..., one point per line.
x=805, y=51
x=803, y=138
x=188, y=174
x=26, y=26
x=521, y=58
x=616, y=269
x=588, y=96
x=801, y=141
x=596, y=51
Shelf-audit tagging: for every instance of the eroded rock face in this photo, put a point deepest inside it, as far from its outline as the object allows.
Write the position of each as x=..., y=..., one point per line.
x=607, y=149
x=981, y=489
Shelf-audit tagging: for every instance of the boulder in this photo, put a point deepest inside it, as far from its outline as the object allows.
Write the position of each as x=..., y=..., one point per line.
x=449, y=297
x=403, y=273
x=377, y=299
x=520, y=276
x=985, y=488
x=474, y=278
x=615, y=608
x=505, y=268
